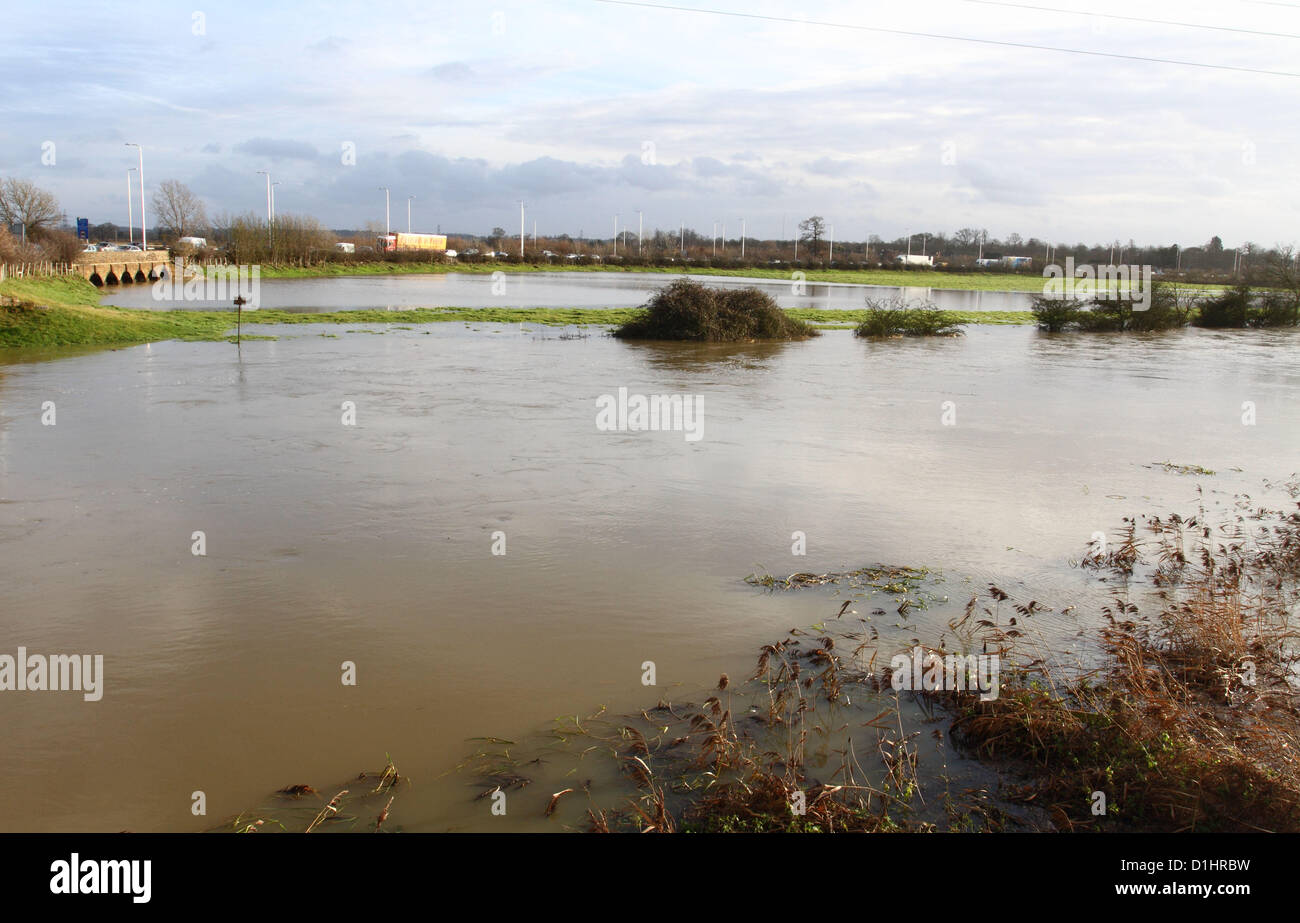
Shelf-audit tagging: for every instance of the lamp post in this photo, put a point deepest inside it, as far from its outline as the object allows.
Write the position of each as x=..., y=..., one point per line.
x=408, y=213
x=521, y=229
x=130, y=217
x=640, y=226
x=267, y=174
x=742, y=239
x=144, y=235
x=388, y=228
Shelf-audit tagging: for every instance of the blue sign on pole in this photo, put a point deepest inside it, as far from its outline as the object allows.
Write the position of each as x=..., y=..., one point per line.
x=83, y=229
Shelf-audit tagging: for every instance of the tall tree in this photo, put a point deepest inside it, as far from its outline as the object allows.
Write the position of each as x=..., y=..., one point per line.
x=178, y=210
x=813, y=230
x=27, y=204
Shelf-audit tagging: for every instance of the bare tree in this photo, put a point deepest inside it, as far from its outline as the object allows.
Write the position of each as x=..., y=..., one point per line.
x=177, y=209
x=27, y=204
x=812, y=229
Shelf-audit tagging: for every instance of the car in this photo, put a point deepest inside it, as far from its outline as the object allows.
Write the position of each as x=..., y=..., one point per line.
x=90, y=248
x=449, y=254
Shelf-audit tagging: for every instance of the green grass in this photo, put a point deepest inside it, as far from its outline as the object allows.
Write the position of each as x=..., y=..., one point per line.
x=65, y=311
x=990, y=282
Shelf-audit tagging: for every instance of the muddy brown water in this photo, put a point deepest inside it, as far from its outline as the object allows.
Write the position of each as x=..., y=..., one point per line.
x=372, y=543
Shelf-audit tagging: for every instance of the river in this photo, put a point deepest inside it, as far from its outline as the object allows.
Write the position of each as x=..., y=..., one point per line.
x=373, y=543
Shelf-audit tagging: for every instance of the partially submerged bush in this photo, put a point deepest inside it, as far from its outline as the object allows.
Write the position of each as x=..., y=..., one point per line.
x=900, y=318
x=1231, y=309
x=1240, y=307
x=1165, y=311
x=1055, y=314
x=686, y=310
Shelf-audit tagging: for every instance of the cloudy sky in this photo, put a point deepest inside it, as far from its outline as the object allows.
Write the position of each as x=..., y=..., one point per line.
x=584, y=109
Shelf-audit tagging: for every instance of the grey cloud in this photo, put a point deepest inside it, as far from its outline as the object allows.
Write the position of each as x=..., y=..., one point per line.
x=277, y=149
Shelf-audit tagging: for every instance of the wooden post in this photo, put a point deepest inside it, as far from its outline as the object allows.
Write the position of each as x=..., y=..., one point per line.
x=240, y=301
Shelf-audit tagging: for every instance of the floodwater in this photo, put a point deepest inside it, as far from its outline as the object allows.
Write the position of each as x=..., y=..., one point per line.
x=372, y=543
x=551, y=290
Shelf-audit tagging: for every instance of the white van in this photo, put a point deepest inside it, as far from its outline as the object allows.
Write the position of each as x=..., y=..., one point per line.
x=198, y=243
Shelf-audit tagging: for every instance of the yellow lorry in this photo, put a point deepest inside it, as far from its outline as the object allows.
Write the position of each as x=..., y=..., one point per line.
x=389, y=243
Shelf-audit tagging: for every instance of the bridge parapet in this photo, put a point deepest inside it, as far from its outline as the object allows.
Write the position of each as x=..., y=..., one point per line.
x=111, y=267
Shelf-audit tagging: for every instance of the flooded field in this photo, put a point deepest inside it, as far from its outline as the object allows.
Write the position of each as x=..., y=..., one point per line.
x=373, y=543
x=553, y=290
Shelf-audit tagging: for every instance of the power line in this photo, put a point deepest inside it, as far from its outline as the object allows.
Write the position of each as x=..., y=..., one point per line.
x=1158, y=22
x=951, y=38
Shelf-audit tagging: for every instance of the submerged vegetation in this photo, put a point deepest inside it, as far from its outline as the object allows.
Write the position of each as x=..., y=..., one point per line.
x=363, y=804
x=1172, y=306
x=1187, y=722
x=687, y=310
x=898, y=318
x=65, y=311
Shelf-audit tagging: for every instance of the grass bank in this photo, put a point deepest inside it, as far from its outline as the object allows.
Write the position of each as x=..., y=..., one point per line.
x=65, y=311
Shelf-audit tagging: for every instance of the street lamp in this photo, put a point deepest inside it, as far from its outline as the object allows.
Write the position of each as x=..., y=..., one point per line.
x=408, y=213
x=387, y=224
x=267, y=174
x=144, y=235
x=273, y=185
x=130, y=217
x=742, y=238
x=640, y=226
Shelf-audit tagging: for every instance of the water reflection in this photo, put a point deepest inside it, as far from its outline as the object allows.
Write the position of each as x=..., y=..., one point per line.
x=554, y=290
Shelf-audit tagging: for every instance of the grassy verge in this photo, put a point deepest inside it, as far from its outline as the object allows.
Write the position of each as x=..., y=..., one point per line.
x=65, y=311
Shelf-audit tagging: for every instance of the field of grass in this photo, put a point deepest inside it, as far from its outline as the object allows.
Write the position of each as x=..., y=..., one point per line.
x=993, y=282
x=65, y=311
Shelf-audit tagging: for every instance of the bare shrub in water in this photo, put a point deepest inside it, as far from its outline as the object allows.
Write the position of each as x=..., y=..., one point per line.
x=686, y=310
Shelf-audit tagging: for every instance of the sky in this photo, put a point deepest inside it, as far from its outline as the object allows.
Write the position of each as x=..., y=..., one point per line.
x=586, y=109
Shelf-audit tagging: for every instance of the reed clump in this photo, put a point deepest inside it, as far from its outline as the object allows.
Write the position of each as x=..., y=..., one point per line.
x=1192, y=724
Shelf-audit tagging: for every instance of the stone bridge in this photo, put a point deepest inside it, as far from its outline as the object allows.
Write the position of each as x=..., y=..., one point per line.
x=111, y=267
